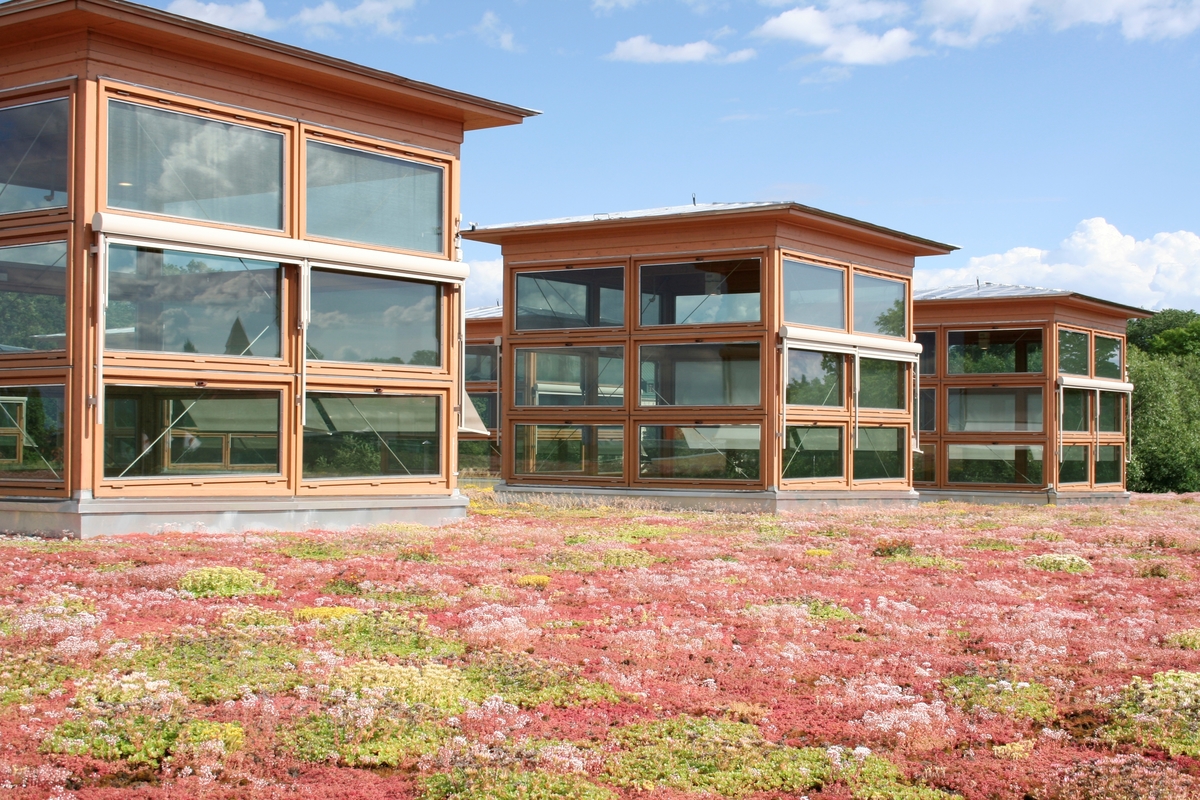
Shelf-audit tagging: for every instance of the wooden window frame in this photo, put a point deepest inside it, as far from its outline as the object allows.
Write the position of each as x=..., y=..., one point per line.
x=993, y=377
x=40, y=93
x=843, y=482
x=847, y=270
x=53, y=232
x=637, y=411
x=905, y=457
x=1048, y=457
x=558, y=334
x=633, y=298
x=19, y=487
x=509, y=454
x=633, y=443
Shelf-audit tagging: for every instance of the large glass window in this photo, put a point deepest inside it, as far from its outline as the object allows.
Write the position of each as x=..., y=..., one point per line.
x=925, y=464
x=566, y=450
x=480, y=362
x=173, y=301
x=373, y=319
x=1074, y=466
x=705, y=452
x=1108, y=464
x=1112, y=418
x=366, y=435
x=570, y=376
x=994, y=410
x=813, y=452
x=1073, y=356
x=487, y=406
x=814, y=295
x=33, y=302
x=1108, y=358
x=701, y=292
x=927, y=418
x=33, y=156
x=31, y=433
x=882, y=383
x=880, y=306
x=571, y=298
x=880, y=454
x=164, y=431
x=994, y=352
x=928, y=342
x=995, y=463
x=373, y=198
x=700, y=374
x=815, y=378
x=478, y=458
x=1075, y=417
x=164, y=162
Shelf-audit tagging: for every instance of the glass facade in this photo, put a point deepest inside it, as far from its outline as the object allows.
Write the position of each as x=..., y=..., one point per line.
x=880, y=454
x=1108, y=464
x=718, y=374
x=995, y=463
x=1073, y=355
x=33, y=297
x=814, y=295
x=570, y=376
x=373, y=319
x=569, y=450
x=701, y=292
x=1075, y=416
x=813, y=452
x=487, y=404
x=994, y=410
x=880, y=306
x=1074, y=466
x=928, y=342
x=478, y=458
x=925, y=464
x=367, y=435
x=1112, y=417
x=882, y=383
x=994, y=352
x=1108, y=362
x=34, y=148
x=481, y=362
x=927, y=418
x=571, y=298
x=815, y=378
x=699, y=452
x=32, y=420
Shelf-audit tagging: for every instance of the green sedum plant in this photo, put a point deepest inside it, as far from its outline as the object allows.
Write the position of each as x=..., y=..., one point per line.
x=224, y=582
x=504, y=784
x=1017, y=700
x=1059, y=562
x=1161, y=712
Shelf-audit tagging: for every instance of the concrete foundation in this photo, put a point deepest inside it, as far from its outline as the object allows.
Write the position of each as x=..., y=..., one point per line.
x=752, y=502
x=1026, y=497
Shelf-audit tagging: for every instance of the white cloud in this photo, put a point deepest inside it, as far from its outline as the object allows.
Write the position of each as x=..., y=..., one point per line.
x=1097, y=259
x=835, y=31
x=494, y=33
x=965, y=23
x=376, y=14
x=485, y=286
x=609, y=5
x=642, y=50
x=248, y=16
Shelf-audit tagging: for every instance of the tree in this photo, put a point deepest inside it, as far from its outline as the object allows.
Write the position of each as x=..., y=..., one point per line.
x=1141, y=332
x=1178, y=341
x=1166, y=422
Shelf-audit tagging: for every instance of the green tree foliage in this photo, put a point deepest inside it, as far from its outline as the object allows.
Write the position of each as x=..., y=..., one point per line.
x=1183, y=341
x=1141, y=332
x=1166, y=421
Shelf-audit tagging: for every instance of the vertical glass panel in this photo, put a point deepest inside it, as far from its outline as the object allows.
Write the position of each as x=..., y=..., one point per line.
x=880, y=454
x=1073, y=356
x=813, y=452
x=814, y=295
x=1112, y=416
x=164, y=162
x=1075, y=416
x=928, y=342
x=880, y=306
x=33, y=297
x=994, y=352
x=701, y=292
x=700, y=374
x=927, y=420
x=995, y=463
x=571, y=298
x=1108, y=464
x=700, y=452
x=372, y=319
x=373, y=198
x=925, y=464
x=166, y=431
x=487, y=406
x=33, y=156
x=582, y=450
x=478, y=458
x=480, y=362
x=1108, y=358
x=883, y=383
x=1074, y=466
x=570, y=376
x=31, y=433
x=173, y=301
x=815, y=378
x=994, y=410
x=366, y=435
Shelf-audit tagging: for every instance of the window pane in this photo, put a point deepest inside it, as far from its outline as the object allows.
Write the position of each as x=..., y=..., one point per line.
x=1108, y=358
x=994, y=352
x=163, y=162
x=1112, y=418
x=31, y=433
x=701, y=292
x=373, y=198
x=714, y=452
x=571, y=298
x=597, y=450
x=1108, y=464
x=879, y=306
x=33, y=297
x=1072, y=352
x=814, y=295
x=33, y=156
x=367, y=318
x=811, y=452
x=480, y=362
x=815, y=379
x=169, y=431
x=994, y=410
x=478, y=458
x=995, y=463
x=356, y=435
x=882, y=383
x=880, y=454
x=487, y=405
x=1075, y=417
x=928, y=342
x=570, y=376
x=172, y=301
x=928, y=410
x=700, y=374
x=1074, y=466
x=925, y=465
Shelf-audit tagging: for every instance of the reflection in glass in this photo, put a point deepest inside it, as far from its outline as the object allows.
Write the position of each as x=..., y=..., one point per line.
x=478, y=458
x=1072, y=352
x=372, y=319
x=596, y=450
x=168, y=431
x=994, y=410
x=814, y=378
x=33, y=156
x=1108, y=464
x=33, y=304
x=813, y=452
x=31, y=433
x=882, y=383
x=172, y=301
x=701, y=292
x=925, y=464
x=1111, y=417
x=1075, y=417
x=928, y=342
x=164, y=162
x=356, y=436
x=373, y=198
x=994, y=352
x=880, y=306
x=704, y=452
x=487, y=406
x=1108, y=358
x=1074, y=466
x=570, y=376
x=995, y=463
x=479, y=362
x=927, y=420
x=880, y=454
x=700, y=374
x=571, y=298
x=814, y=295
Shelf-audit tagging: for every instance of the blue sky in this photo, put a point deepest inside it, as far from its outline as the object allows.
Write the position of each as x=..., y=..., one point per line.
x=1056, y=141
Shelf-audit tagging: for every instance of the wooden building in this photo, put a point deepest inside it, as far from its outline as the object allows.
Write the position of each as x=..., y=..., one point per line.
x=757, y=355
x=230, y=290
x=1023, y=395
x=479, y=449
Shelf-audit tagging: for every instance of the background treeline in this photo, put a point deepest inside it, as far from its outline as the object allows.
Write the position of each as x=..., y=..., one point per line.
x=1164, y=365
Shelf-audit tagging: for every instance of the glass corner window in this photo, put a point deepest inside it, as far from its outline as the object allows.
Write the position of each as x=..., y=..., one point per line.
x=1108, y=362
x=31, y=433
x=812, y=452
x=571, y=298
x=34, y=147
x=1074, y=465
x=994, y=351
x=373, y=319
x=882, y=383
x=701, y=292
x=1109, y=466
x=880, y=306
x=365, y=436
x=815, y=378
x=880, y=454
x=814, y=295
x=33, y=297
x=1073, y=353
